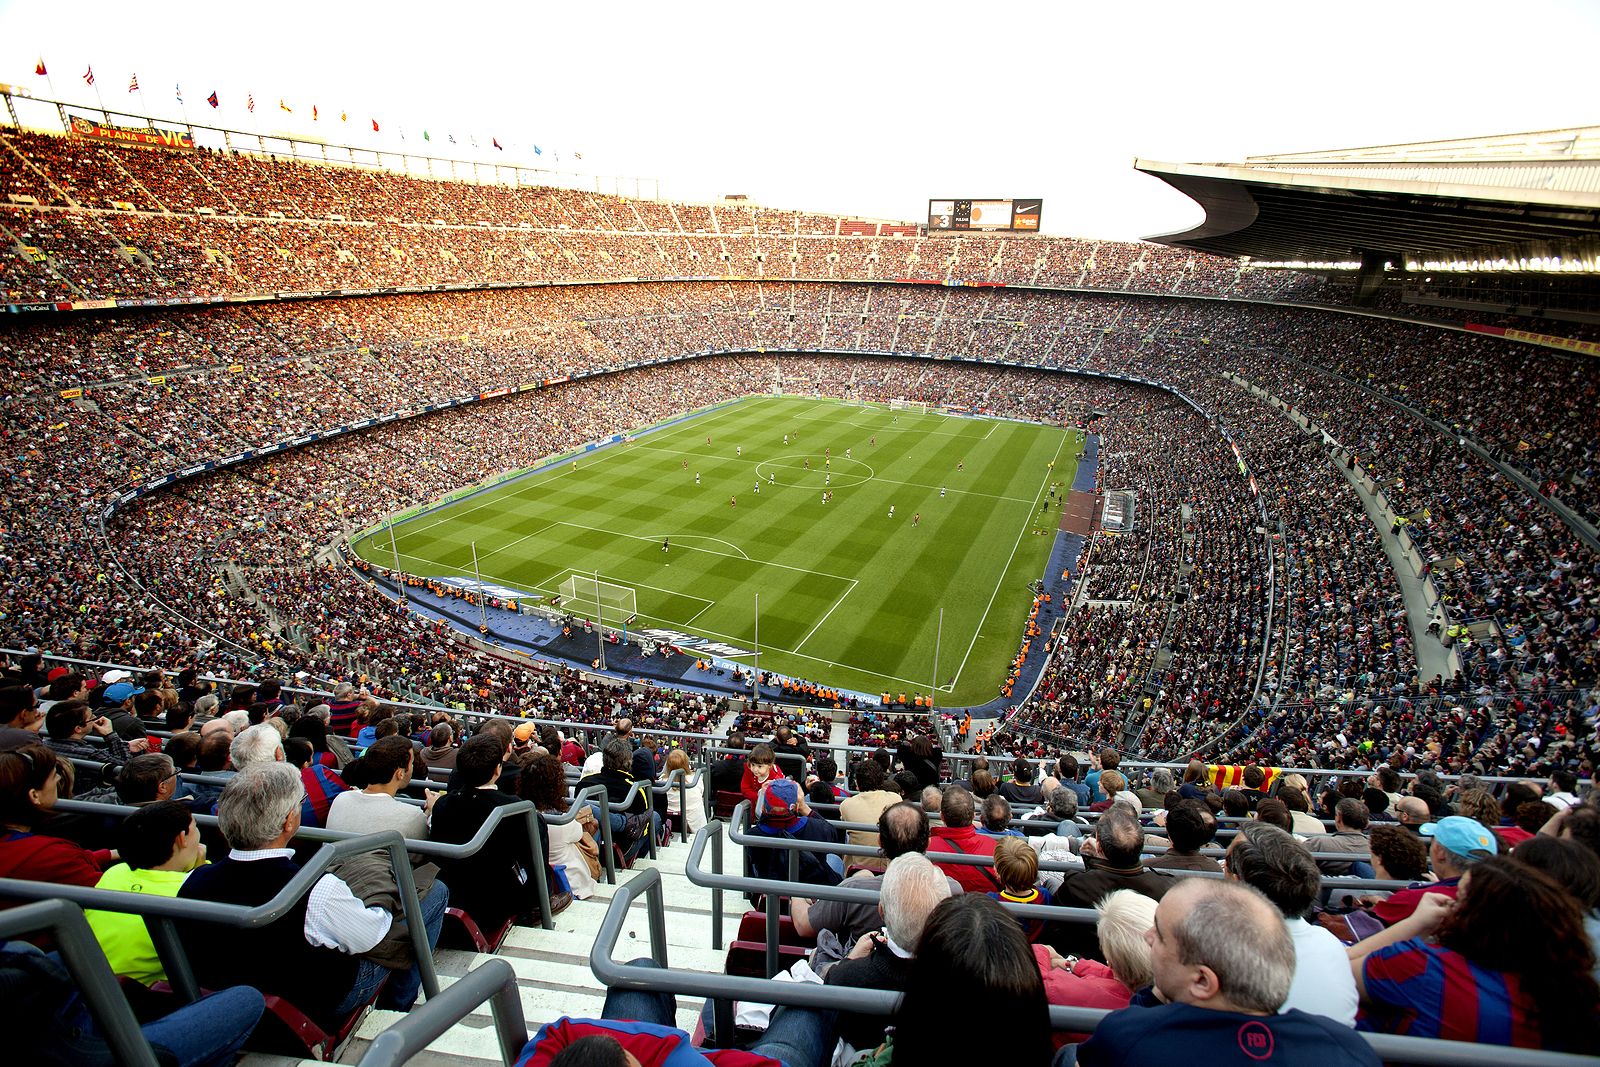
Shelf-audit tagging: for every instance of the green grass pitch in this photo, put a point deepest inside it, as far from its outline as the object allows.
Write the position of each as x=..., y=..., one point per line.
x=849, y=596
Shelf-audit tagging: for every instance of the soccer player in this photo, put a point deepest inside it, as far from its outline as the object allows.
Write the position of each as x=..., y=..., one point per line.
x=941, y=492
x=827, y=479
x=824, y=498
x=874, y=440
x=733, y=501
x=738, y=450
x=696, y=477
x=808, y=463
x=962, y=465
x=916, y=520
x=665, y=543
x=891, y=511
x=785, y=438
x=708, y=439
x=847, y=453
x=769, y=478
x=757, y=489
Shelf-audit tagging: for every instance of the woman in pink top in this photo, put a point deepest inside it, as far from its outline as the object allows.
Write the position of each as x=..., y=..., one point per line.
x=1125, y=916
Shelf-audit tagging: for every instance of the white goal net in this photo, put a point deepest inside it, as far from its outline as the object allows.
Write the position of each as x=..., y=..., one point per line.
x=594, y=598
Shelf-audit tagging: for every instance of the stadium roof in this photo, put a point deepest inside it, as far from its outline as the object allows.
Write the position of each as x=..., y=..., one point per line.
x=1515, y=197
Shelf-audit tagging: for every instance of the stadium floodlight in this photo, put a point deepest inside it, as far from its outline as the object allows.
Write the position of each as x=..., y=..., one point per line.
x=588, y=595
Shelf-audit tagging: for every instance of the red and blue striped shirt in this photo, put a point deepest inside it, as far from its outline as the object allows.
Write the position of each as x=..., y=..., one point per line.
x=1427, y=990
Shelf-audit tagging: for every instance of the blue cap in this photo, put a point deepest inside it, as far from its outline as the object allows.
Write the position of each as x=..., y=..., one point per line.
x=120, y=692
x=1463, y=836
x=778, y=801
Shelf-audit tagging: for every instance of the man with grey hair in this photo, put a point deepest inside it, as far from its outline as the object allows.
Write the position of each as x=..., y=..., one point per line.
x=336, y=744
x=259, y=744
x=932, y=798
x=1155, y=796
x=909, y=891
x=1223, y=963
x=1112, y=859
x=311, y=956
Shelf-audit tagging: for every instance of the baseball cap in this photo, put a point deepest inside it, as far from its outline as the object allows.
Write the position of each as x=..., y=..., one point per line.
x=778, y=801
x=112, y=677
x=57, y=672
x=116, y=694
x=1462, y=836
x=525, y=732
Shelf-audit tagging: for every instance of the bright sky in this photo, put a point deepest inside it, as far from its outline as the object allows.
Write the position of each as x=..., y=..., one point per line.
x=857, y=107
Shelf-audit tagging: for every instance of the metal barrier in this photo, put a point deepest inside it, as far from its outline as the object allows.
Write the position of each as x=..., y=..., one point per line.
x=725, y=989
x=495, y=982
x=160, y=913
x=86, y=963
x=684, y=785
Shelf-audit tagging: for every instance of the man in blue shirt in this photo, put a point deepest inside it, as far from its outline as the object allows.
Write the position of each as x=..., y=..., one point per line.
x=1222, y=961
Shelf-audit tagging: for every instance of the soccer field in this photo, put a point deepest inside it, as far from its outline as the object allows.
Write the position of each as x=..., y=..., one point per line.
x=849, y=596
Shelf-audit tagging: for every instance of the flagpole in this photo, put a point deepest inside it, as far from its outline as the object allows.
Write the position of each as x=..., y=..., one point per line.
x=483, y=617
x=755, y=674
x=937, y=637
x=599, y=623
x=95, y=85
x=400, y=581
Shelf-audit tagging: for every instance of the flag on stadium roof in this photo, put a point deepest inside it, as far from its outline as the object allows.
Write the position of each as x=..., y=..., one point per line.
x=38, y=68
x=250, y=103
x=344, y=116
x=374, y=125
x=313, y=112
x=496, y=142
x=452, y=138
x=212, y=99
x=538, y=151
x=133, y=84
x=178, y=91
x=425, y=136
x=284, y=107
x=577, y=155
x=88, y=75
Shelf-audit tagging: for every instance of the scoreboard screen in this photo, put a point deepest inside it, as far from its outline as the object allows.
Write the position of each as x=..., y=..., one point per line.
x=1021, y=215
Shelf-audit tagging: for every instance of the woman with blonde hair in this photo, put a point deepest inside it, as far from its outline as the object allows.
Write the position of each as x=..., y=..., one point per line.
x=1125, y=917
x=694, y=796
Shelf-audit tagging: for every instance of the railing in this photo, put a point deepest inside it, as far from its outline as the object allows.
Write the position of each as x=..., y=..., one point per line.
x=162, y=913
x=91, y=974
x=495, y=982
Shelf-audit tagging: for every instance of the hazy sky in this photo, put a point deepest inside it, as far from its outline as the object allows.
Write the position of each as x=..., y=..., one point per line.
x=859, y=107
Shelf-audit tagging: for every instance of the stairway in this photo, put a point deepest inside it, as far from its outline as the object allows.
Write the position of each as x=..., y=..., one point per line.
x=553, y=965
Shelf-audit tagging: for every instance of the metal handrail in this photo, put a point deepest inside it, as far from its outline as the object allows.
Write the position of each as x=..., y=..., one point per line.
x=684, y=785
x=160, y=912
x=439, y=850
x=86, y=962
x=724, y=989
x=495, y=981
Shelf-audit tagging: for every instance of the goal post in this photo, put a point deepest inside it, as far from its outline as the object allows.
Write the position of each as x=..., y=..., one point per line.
x=587, y=595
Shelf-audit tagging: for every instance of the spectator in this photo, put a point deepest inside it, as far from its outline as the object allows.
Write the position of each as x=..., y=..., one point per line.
x=21, y=721
x=1398, y=855
x=496, y=882
x=1223, y=962
x=1455, y=844
x=545, y=783
x=996, y=817
x=1269, y=859
x=1507, y=963
x=958, y=837
x=29, y=779
x=1349, y=837
x=1577, y=870
x=440, y=755
x=1190, y=828
x=1377, y=802
x=902, y=830
x=883, y=957
x=159, y=845
x=932, y=798
x=781, y=812
x=1112, y=859
x=68, y=726
x=1155, y=794
x=258, y=744
x=759, y=767
x=1108, y=759
x=616, y=777
x=322, y=784
x=694, y=796
x=922, y=758
x=314, y=955
x=382, y=771
x=1111, y=783
x=1411, y=812
x=865, y=805
x=1021, y=790
x=146, y=779
x=1121, y=930
x=1016, y=867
